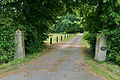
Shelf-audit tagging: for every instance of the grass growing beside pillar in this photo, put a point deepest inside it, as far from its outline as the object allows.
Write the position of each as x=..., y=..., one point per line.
x=105, y=69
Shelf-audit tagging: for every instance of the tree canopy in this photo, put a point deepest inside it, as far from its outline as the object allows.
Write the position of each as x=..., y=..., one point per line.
x=35, y=17
x=103, y=17
x=68, y=24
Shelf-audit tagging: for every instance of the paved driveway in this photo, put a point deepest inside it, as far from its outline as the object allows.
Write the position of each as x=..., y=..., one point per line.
x=64, y=63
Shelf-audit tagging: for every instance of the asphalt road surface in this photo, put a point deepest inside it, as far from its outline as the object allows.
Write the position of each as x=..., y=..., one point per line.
x=63, y=63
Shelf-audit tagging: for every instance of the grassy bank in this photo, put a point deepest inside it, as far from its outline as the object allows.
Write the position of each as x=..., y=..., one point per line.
x=105, y=69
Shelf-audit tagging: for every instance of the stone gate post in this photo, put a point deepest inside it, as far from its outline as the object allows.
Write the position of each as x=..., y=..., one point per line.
x=19, y=45
x=101, y=48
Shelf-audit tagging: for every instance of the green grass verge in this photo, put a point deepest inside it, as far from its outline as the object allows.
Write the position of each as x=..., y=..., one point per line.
x=104, y=69
x=16, y=63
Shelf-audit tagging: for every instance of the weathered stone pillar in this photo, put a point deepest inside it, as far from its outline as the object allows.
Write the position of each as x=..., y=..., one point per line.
x=101, y=48
x=19, y=45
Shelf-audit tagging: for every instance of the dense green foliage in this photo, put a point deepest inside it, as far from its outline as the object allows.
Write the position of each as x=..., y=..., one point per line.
x=103, y=17
x=34, y=17
x=6, y=38
x=114, y=46
x=69, y=24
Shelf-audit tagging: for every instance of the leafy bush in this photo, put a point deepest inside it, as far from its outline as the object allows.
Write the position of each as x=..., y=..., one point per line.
x=69, y=24
x=103, y=17
x=91, y=39
x=114, y=46
x=34, y=17
x=7, y=30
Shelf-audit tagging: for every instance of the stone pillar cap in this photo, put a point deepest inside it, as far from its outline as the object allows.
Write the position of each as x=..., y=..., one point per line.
x=18, y=31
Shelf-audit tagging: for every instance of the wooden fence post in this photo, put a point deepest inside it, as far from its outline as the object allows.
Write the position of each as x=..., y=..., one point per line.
x=50, y=40
x=64, y=36
x=61, y=38
x=67, y=36
x=57, y=39
x=19, y=45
